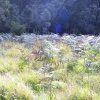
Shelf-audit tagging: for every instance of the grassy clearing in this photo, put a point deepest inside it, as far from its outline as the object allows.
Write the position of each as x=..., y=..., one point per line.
x=48, y=71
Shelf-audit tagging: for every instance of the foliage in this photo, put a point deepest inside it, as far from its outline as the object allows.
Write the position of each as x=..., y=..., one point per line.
x=49, y=71
x=75, y=16
x=17, y=28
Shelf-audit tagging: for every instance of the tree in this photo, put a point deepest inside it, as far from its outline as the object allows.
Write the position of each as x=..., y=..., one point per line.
x=85, y=17
x=17, y=29
x=4, y=15
x=95, y=9
x=40, y=15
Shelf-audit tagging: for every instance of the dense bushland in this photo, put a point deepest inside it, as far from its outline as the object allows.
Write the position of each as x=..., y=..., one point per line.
x=72, y=16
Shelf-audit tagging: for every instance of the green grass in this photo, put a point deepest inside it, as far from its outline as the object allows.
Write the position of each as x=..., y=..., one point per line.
x=71, y=77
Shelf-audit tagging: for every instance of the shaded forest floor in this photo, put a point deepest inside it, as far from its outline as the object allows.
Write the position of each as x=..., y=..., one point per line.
x=50, y=69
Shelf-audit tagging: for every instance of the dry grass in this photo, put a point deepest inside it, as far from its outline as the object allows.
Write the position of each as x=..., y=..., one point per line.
x=48, y=71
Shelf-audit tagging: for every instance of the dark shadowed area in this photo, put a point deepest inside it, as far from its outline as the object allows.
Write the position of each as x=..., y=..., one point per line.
x=45, y=16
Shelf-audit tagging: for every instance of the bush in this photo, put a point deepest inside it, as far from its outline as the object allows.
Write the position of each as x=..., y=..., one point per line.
x=22, y=65
x=80, y=67
x=32, y=79
x=71, y=65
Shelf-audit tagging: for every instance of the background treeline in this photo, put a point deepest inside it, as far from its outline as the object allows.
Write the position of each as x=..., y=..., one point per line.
x=18, y=16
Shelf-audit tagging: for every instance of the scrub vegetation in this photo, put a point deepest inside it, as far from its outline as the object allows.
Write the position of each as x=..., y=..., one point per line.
x=48, y=71
x=40, y=59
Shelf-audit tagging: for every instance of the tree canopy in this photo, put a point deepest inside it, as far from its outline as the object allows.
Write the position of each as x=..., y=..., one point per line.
x=75, y=16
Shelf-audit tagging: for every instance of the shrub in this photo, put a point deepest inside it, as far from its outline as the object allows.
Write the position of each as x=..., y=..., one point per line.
x=22, y=64
x=59, y=85
x=71, y=65
x=33, y=80
x=80, y=66
x=59, y=74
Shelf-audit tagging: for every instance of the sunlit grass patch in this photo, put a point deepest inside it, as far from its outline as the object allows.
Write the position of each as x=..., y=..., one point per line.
x=12, y=88
x=8, y=64
x=17, y=51
x=32, y=79
x=79, y=93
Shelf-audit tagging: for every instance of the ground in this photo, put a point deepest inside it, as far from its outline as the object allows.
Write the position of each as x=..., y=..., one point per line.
x=50, y=69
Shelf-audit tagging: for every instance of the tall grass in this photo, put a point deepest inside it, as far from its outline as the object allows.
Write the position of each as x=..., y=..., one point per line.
x=48, y=71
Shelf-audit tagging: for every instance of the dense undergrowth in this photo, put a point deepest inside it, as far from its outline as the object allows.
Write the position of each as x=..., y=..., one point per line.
x=48, y=71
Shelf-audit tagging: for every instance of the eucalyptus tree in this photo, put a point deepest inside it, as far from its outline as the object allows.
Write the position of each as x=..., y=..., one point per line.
x=4, y=15
x=85, y=17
